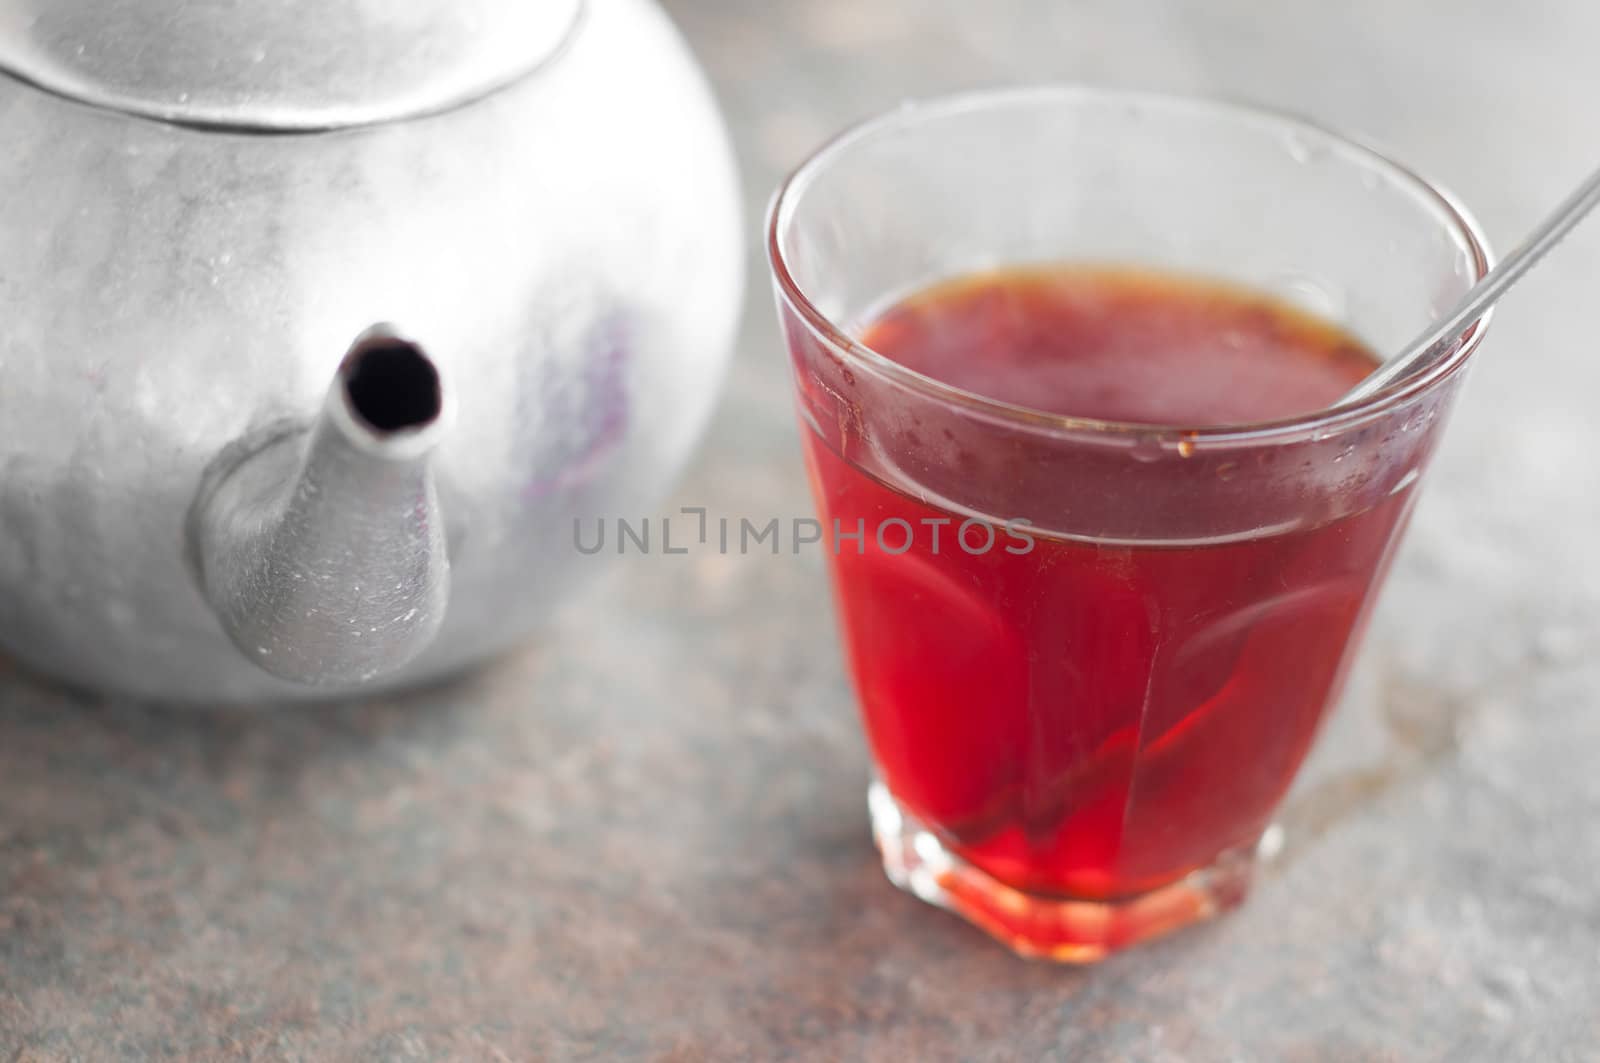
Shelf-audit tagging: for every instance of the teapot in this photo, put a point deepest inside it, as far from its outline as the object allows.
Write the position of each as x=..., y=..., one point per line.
x=322, y=321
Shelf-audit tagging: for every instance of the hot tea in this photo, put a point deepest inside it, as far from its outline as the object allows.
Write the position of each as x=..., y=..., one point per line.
x=1084, y=716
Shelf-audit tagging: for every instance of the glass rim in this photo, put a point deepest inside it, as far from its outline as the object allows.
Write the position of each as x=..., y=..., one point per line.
x=1452, y=214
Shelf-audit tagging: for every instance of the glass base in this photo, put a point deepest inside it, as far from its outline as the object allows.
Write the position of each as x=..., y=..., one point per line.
x=1067, y=931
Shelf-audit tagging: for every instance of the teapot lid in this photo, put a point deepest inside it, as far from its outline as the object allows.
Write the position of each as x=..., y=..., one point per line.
x=279, y=65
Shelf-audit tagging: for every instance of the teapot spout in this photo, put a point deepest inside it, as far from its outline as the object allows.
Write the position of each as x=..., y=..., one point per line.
x=321, y=549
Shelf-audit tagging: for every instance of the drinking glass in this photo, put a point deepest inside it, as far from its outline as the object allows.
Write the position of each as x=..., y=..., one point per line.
x=1085, y=703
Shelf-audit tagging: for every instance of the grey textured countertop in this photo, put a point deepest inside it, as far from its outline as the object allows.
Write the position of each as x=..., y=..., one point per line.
x=646, y=838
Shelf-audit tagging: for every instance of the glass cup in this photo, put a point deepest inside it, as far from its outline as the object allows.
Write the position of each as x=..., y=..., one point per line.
x=1085, y=703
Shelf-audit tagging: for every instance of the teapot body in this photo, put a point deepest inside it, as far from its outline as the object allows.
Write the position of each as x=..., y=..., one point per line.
x=567, y=247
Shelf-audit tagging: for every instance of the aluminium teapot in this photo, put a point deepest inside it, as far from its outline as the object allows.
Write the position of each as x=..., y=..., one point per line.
x=322, y=320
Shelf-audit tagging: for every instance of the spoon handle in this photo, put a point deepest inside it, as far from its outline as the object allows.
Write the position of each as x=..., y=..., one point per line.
x=1482, y=295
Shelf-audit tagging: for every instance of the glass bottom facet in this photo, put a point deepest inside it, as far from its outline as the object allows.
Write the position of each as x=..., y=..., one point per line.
x=1053, y=928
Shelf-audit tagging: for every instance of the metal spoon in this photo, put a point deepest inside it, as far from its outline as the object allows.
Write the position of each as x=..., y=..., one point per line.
x=1482, y=295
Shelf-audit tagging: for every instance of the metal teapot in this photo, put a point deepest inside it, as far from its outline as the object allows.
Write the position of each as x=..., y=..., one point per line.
x=322, y=320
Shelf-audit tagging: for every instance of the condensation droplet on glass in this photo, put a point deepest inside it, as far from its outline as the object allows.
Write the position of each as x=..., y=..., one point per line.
x=1311, y=294
x=1302, y=149
x=1345, y=453
x=1418, y=420
x=1148, y=448
x=1226, y=470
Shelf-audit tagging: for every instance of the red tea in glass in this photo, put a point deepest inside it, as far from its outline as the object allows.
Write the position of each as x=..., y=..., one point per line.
x=1082, y=718
x=1101, y=557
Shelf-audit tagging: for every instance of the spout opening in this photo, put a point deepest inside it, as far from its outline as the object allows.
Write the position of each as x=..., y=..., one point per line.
x=391, y=386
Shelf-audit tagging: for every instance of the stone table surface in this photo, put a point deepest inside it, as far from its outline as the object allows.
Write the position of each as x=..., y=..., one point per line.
x=646, y=838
